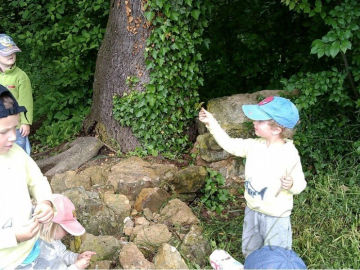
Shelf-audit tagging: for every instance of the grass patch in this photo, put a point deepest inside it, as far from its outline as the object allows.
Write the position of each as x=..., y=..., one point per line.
x=325, y=222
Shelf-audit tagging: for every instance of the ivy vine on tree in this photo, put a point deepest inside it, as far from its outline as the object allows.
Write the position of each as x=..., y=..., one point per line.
x=160, y=116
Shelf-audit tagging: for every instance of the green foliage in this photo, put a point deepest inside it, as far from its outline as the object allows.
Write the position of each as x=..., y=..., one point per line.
x=169, y=104
x=215, y=195
x=343, y=21
x=59, y=40
x=329, y=100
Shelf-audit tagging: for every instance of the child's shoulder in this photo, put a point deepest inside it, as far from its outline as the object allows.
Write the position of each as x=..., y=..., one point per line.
x=290, y=147
x=17, y=152
x=17, y=72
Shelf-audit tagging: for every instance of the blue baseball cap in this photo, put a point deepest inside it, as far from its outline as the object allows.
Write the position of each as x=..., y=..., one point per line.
x=7, y=45
x=273, y=257
x=4, y=112
x=280, y=109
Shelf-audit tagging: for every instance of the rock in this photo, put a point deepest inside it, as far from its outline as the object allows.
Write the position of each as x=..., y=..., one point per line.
x=81, y=150
x=178, y=213
x=105, y=246
x=106, y=264
x=118, y=203
x=151, y=236
x=140, y=221
x=131, y=258
x=131, y=175
x=169, y=258
x=190, y=179
x=63, y=181
x=98, y=174
x=128, y=226
x=152, y=198
x=148, y=214
x=93, y=213
x=231, y=168
x=195, y=247
x=209, y=150
x=102, y=189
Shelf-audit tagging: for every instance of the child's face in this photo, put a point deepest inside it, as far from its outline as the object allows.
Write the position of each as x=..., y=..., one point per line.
x=264, y=129
x=7, y=61
x=8, y=132
x=60, y=233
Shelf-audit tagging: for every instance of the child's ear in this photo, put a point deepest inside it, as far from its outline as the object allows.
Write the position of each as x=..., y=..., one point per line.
x=276, y=130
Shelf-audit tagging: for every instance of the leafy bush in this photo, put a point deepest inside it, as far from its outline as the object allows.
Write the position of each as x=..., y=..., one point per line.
x=215, y=195
x=59, y=40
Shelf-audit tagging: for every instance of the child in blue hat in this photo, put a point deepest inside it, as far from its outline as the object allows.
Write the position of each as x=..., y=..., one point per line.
x=18, y=83
x=273, y=171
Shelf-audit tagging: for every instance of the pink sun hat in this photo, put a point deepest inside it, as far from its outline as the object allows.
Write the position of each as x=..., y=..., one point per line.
x=65, y=215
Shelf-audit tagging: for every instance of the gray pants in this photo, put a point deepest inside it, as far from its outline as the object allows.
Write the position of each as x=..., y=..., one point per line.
x=260, y=229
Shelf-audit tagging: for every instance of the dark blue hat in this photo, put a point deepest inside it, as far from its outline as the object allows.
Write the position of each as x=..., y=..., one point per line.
x=273, y=257
x=15, y=109
x=280, y=109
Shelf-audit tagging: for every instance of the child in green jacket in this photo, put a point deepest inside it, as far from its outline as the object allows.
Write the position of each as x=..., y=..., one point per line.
x=19, y=85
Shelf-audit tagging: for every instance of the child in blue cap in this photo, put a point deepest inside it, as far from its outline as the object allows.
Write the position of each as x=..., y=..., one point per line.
x=18, y=83
x=273, y=171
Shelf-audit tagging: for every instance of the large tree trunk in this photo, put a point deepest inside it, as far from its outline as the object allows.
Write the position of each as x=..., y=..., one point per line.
x=121, y=55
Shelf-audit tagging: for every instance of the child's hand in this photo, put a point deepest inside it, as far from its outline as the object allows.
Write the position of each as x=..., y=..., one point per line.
x=27, y=231
x=205, y=116
x=286, y=182
x=24, y=130
x=44, y=212
x=86, y=254
x=82, y=263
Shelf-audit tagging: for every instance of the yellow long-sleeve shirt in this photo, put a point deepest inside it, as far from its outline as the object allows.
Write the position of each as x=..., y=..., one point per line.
x=264, y=167
x=21, y=180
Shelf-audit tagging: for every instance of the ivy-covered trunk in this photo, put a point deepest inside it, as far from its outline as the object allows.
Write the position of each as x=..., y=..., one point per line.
x=120, y=58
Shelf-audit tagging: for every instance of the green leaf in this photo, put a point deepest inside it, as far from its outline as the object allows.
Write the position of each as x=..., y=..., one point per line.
x=149, y=15
x=345, y=45
x=335, y=48
x=160, y=3
x=195, y=14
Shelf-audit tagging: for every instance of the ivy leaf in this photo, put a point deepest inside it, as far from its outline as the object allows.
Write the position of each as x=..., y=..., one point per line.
x=149, y=15
x=195, y=13
x=174, y=16
x=160, y=3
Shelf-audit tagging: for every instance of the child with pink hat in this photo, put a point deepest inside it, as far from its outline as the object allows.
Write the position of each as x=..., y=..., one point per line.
x=53, y=254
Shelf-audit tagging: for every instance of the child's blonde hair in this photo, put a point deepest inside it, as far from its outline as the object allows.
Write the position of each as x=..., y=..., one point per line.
x=286, y=133
x=48, y=231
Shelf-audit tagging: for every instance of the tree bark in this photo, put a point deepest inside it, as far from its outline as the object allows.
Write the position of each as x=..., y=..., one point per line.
x=121, y=55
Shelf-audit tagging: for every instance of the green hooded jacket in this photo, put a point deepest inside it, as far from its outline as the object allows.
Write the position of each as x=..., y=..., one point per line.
x=19, y=85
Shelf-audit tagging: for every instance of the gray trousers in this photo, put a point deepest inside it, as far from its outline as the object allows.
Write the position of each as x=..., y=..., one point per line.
x=260, y=229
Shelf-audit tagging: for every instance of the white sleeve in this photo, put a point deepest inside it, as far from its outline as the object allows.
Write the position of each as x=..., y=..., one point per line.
x=7, y=237
x=68, y=257
x=297, y=174
x=235, y=146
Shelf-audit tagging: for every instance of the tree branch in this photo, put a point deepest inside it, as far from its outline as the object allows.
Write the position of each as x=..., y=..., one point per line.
x=351, y=79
